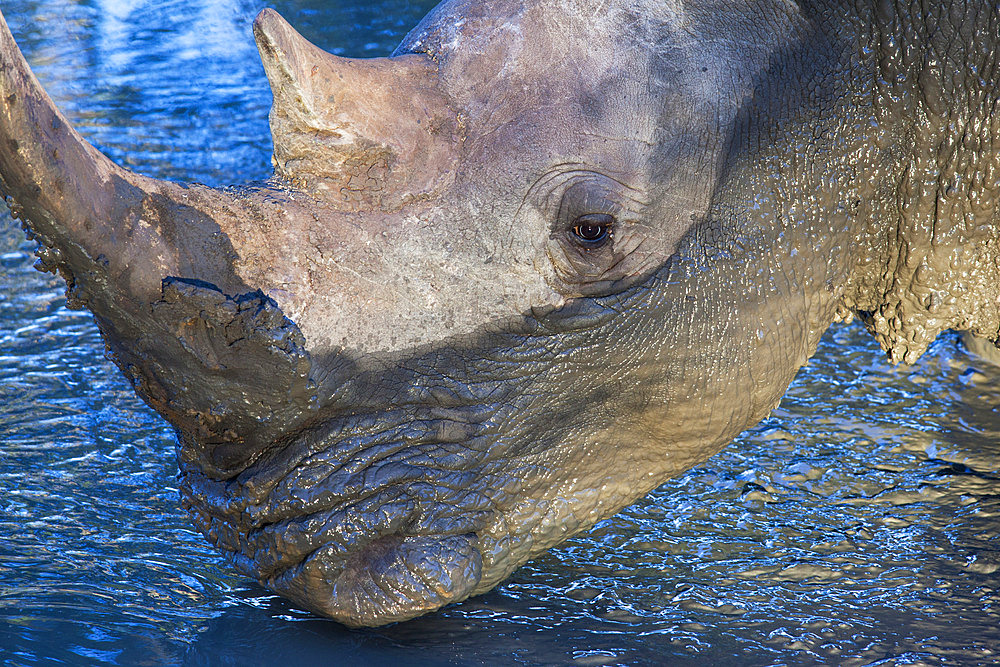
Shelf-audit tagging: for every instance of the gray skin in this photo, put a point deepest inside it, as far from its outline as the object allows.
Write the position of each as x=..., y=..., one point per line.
x=400, y=370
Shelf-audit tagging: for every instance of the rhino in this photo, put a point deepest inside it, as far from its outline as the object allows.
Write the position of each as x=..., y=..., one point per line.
x=506, y=281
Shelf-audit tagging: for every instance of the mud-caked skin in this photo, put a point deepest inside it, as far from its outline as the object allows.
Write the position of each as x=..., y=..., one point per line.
x=505, y=282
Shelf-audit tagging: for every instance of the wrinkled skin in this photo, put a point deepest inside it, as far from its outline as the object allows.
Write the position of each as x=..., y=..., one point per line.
x=514, y=277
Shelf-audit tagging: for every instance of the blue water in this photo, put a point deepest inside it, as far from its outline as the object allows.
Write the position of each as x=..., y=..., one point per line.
x=857, y=525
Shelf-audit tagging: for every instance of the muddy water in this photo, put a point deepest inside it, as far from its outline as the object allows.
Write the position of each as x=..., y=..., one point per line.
x=856, y=525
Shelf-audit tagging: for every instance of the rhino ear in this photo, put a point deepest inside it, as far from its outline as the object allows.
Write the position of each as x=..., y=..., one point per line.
x=370, y=133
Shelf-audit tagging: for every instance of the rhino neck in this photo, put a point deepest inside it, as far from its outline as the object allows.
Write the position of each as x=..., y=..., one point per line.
x=930, y=257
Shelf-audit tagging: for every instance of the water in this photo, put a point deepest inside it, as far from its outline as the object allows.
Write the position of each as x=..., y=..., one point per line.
x=857, y=525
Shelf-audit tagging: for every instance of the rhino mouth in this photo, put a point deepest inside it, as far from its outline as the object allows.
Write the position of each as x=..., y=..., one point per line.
x=363, y=524
x=387, y=558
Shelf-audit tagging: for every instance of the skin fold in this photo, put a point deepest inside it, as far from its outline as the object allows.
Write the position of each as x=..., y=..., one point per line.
x=512, y=278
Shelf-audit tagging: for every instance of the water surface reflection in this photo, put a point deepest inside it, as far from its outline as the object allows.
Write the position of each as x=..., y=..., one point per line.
x=857, y=524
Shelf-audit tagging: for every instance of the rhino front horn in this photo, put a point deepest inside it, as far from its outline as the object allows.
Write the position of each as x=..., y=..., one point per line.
x=368, y=133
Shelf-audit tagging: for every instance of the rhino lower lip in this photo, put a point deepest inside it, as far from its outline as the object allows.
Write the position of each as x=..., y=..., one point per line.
x=391, y=578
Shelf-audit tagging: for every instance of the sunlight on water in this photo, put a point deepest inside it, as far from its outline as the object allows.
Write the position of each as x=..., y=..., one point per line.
x=855, y=525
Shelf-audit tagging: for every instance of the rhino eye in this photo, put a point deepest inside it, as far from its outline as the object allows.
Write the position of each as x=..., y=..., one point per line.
x=594, y=229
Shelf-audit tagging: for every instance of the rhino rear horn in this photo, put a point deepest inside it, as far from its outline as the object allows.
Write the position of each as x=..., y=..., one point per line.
x=369, y=133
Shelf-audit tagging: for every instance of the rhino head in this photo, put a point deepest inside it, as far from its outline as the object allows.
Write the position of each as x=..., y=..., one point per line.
x=503, y=283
